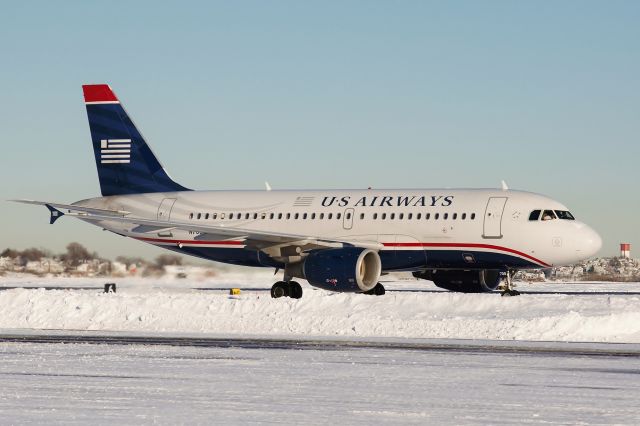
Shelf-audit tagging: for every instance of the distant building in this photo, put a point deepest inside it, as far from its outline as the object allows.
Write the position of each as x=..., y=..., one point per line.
x=625, y=250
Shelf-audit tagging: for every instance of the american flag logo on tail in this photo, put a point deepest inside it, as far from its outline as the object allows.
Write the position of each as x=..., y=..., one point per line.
x=115, y=151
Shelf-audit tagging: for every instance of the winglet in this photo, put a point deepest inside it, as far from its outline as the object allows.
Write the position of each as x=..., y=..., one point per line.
x=55, y=214
x=505, y=187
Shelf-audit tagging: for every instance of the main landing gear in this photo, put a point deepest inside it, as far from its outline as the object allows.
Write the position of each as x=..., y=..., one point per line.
x=508, y=285
x=378, y=290
x=286, y=289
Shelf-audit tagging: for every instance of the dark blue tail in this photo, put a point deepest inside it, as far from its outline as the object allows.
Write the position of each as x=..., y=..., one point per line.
x=126, y=164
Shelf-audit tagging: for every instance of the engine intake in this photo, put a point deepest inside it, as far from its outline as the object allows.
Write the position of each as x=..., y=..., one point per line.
x=349, y=269
x=463, y=281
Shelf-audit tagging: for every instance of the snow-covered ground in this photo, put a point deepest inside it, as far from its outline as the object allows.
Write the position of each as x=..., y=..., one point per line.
x=104, y=384
x=588, y=312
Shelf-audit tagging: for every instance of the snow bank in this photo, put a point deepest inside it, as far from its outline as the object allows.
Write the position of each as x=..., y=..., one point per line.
x=176, y=306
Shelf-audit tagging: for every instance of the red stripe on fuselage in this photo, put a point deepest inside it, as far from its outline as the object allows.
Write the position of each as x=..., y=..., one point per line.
x=422, y=245
x=467, y=245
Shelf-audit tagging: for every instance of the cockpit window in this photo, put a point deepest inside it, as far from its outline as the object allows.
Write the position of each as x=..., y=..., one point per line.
x=565, y=215
x=535, y=215
x=548, y=215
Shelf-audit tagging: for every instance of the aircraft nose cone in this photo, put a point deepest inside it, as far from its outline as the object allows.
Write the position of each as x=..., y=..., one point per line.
x=591, y=241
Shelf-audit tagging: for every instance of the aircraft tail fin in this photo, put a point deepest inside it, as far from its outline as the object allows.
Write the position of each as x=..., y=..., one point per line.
x=126, y=164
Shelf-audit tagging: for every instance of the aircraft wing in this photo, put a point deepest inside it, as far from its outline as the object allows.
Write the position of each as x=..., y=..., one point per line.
x=273, y=243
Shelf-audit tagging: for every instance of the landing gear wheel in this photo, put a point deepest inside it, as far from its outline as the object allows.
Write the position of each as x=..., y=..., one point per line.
x=378, y=290
x=280, y=289
x=295, y=290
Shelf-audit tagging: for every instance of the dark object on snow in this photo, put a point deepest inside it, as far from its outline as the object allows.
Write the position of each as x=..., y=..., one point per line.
x=110, y=288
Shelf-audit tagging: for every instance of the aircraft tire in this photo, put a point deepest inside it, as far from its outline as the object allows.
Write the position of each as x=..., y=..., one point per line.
x=295, y=290
x=279, y=289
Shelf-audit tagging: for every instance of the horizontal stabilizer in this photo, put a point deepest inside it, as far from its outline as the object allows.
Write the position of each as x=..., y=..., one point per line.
x=55, y=214
x=56, y=209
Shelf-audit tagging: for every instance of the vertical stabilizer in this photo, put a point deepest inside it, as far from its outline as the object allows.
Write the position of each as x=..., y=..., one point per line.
x=126, y=164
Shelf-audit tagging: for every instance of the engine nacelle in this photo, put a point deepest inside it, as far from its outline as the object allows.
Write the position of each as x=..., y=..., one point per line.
x=349, y=269
x=463, y=281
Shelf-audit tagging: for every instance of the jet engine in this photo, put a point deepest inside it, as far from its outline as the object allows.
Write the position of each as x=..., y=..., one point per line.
x=463, y=281
x=349, y=269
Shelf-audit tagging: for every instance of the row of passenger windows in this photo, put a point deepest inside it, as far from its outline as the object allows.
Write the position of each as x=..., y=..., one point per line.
x=550, y=215
x=313, y=216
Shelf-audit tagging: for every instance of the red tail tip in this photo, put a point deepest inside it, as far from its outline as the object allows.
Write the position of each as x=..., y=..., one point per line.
x=98, y=93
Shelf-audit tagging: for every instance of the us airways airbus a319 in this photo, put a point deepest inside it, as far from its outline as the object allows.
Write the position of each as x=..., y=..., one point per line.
x=467, y=240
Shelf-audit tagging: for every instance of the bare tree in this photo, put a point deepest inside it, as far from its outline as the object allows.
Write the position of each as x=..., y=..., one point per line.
x=76, y=254
x=168, y=259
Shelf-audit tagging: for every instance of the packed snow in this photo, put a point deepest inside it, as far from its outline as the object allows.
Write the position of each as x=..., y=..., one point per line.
x=587, y=312
x=104, y=384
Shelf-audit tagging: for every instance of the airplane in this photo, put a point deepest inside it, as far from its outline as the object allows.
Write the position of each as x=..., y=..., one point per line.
x=465, y=240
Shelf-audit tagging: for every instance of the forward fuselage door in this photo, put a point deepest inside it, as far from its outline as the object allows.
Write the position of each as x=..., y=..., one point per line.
x=347, y=221
x=164, y=210
x=493, y=217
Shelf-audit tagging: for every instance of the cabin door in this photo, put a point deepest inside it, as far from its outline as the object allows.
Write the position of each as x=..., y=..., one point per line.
x=493, y=217
x=164, y=211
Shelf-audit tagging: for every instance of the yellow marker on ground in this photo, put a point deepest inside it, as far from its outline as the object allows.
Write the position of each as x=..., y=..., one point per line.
x=234, y=291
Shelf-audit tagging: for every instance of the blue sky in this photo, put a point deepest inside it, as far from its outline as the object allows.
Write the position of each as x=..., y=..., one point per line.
x=348, y=94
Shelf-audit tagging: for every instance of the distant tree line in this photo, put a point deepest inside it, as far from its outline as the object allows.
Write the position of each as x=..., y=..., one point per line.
x=77, y=254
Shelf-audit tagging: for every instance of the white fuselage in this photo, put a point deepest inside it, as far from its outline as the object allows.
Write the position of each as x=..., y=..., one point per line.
x=418, y=228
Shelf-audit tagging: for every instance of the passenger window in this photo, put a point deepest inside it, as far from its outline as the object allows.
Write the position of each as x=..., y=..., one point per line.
x=297, y=215
x=313, y=215
x=464, y=216
x=436, y=216
x=401, y=216
x=272, y=215
x=348, y=216
x=361, y=216
x=445, y=216
x=455, y=216
x=199, y=215
x=255, y=215
x=221, y=215
x=214, y=216
x=330, y=216
x=473, y=216
x=263, y=216
x=392, y=216
x=384, y=216
x=375, y=216
x=409, y=216
x=548, y=215
x=419, y=216
x=321, y=215
x=304, y=216
x=288, y=216
x=279, y=215
x=564, y=215
x=190, y=215
x=338, y=216
x=206, y=216
x=535, y=215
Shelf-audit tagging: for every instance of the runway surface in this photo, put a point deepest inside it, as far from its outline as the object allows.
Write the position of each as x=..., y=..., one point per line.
x=326, y=344
x=76, y=378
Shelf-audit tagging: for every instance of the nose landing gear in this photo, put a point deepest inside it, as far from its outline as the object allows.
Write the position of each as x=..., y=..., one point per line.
x=508, y=285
